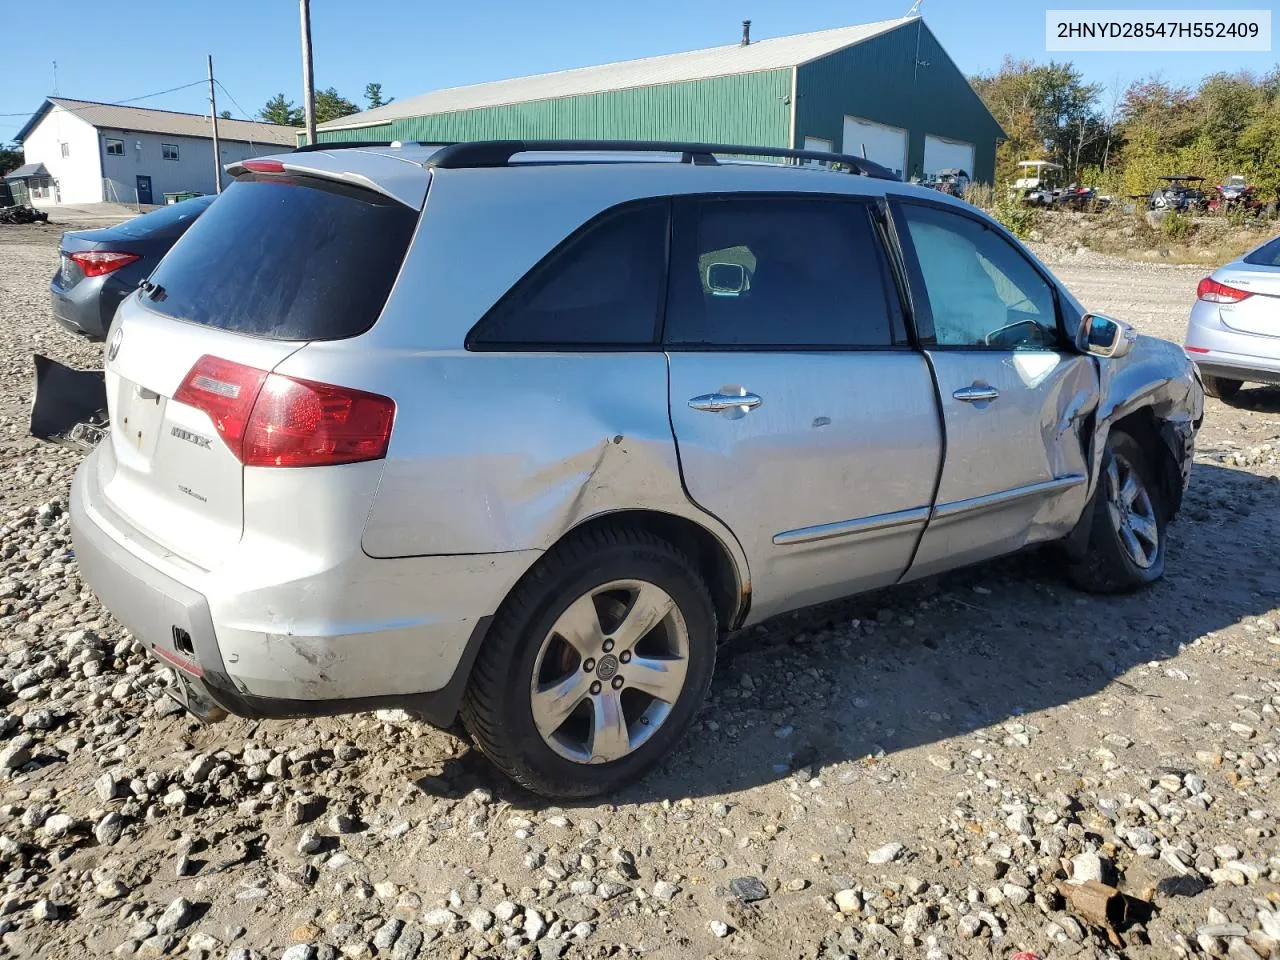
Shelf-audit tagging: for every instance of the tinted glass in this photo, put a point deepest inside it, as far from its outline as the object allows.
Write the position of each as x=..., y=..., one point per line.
x=600, y=288
x=1268, y=255
x=777, y=272
x=288, y=259
x=982, y=290
x=175, y=215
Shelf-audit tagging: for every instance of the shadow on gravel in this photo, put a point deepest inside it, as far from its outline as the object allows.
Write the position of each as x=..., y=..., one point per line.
x=914, y=665
x=1257, y=399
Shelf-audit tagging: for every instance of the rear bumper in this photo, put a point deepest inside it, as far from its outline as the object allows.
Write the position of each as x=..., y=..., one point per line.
x=1219, y=351
x=87, y=308
x=187, y=618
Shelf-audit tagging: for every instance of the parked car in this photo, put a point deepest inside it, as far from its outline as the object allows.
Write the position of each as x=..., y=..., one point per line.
x=99, y=268
x=1234, y=332
x=1179, y=193
x=368, y=452
x=1236, y=193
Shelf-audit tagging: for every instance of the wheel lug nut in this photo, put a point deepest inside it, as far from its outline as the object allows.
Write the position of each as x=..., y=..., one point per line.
x=617, y=683
x=588, y=665
x=626, y=656
x=595, y=687
x=608, y=645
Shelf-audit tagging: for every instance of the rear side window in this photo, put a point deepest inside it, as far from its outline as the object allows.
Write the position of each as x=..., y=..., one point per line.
x=600, y=288
x=286, y=259
x=777, y=272
x=1267, y=255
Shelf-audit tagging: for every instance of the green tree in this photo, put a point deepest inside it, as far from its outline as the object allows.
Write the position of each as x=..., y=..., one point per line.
x=373, y=93
x=10, y=157
x=280, y=110
x=330, y=105
x=225, y=115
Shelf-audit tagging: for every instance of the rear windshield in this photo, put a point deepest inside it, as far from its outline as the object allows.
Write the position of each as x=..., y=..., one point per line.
x=287, y=259
x=175, y=215
x=1267, y=255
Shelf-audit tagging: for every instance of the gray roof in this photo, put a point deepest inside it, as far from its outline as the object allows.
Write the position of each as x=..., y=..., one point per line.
x=770, y=54
x=27, y=170
x=145, y=120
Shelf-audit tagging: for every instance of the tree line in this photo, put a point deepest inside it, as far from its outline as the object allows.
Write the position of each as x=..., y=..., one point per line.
x=330, y=105
x=1121, y=138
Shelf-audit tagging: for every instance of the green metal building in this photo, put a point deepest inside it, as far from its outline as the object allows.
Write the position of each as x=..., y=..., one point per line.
x=885, y=90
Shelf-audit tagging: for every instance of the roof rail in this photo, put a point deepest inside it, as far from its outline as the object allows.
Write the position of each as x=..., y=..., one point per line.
x=357, y=144
x=498, y=153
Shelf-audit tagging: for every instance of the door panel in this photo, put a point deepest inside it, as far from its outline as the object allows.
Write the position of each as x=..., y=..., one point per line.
x=827, y=482
x=1016, y=467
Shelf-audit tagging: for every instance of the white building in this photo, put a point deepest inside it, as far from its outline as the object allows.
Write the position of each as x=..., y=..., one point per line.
x=78, y=151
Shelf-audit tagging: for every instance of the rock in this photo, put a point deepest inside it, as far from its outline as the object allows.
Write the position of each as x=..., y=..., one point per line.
x=309, y=842
x=341, y=823
x=534, y=925
x=111, y=889
x=1222, y=930
x=480, y=919
x=409, y=944
x=917, y=919
x=59, y=825
x=177, y=915
x=1087, y=866
x=109, y=829
x=582, y=888
x=718, y=928
x=439, y=917
x=848, y=901
x=1240, y=950
x=608, y=890
x=15, y=754
x=203, y=941
x=969, y=926
x=886, y=854
x=44, y=910
x=665, y=891
x=105, y=787
x=1020, y=823
x=299, y=951
x=749, y=889
x=387, y=934
x=505, y=911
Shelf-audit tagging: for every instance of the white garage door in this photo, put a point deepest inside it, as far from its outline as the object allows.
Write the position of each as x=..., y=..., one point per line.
x=942, y=154
x=885, y=145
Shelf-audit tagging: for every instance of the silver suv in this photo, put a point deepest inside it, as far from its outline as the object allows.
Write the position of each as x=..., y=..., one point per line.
x=520, y=431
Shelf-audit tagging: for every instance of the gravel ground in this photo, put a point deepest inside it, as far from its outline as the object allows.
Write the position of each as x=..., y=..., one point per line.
x=910, y=774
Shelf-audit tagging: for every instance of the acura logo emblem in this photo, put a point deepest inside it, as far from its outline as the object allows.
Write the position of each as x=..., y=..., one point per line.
x=114, y=346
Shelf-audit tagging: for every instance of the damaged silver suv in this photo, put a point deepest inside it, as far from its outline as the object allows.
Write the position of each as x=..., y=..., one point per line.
x=519, y=431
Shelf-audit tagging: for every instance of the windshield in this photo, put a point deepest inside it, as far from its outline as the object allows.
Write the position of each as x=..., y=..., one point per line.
x=173, y=215
x=288, y=258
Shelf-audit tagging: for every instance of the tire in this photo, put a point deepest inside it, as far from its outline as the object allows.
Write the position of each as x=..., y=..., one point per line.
x=1221, y=387
x=599, y=574
x=1109, y=564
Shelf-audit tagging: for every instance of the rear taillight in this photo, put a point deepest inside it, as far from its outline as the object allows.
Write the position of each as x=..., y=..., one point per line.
x=95, y=263
x=263, y=166
x=270, y=420
x=1212, y=291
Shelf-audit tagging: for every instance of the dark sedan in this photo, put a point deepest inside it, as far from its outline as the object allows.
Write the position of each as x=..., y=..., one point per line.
x=101, y=267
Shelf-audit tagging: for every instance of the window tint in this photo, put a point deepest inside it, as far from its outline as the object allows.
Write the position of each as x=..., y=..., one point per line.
x=288, y=259
x=1268, y=255
x=777, y=272
x=601, y=288
x=982, y=291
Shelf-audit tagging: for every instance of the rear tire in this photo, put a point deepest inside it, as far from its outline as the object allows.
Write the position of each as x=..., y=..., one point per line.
x=1221, y=387
x=559, y=700
x=1127, y=539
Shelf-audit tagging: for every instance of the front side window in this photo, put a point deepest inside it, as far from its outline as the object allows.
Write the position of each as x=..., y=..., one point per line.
x=115, y=148
x=793, y=271
x=601, y=288
x=170, y=151
x=982, y=291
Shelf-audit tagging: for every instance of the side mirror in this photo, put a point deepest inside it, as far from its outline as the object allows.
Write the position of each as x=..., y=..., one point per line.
x=1104, y=337
x=726, y=279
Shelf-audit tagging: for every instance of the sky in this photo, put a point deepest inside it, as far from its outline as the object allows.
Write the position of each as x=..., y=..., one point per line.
x=112, y=52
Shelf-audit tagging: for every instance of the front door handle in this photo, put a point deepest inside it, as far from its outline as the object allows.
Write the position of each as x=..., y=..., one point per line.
x=719, y=402
x=976, y=393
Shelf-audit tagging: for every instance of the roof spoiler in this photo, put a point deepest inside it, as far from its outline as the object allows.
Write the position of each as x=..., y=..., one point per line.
x=357, y=144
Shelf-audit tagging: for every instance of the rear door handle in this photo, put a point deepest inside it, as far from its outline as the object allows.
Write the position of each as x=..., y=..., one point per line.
x=976, y=393
x=719, y=402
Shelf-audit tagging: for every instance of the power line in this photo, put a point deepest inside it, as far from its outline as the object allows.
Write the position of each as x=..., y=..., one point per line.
x=249, y=118
x=115, y=103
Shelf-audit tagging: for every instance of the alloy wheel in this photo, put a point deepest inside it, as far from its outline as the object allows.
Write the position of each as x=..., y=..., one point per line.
x=1132, y=514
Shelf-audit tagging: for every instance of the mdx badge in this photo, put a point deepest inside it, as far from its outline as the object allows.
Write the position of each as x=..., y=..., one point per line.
x=190, y=437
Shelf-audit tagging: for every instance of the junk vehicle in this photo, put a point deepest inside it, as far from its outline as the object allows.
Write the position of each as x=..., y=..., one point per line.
x=1179, y=193
x=532, y=472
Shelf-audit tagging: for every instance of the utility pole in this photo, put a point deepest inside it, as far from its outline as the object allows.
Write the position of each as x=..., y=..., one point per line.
x=308, y=75
x=217, y=152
